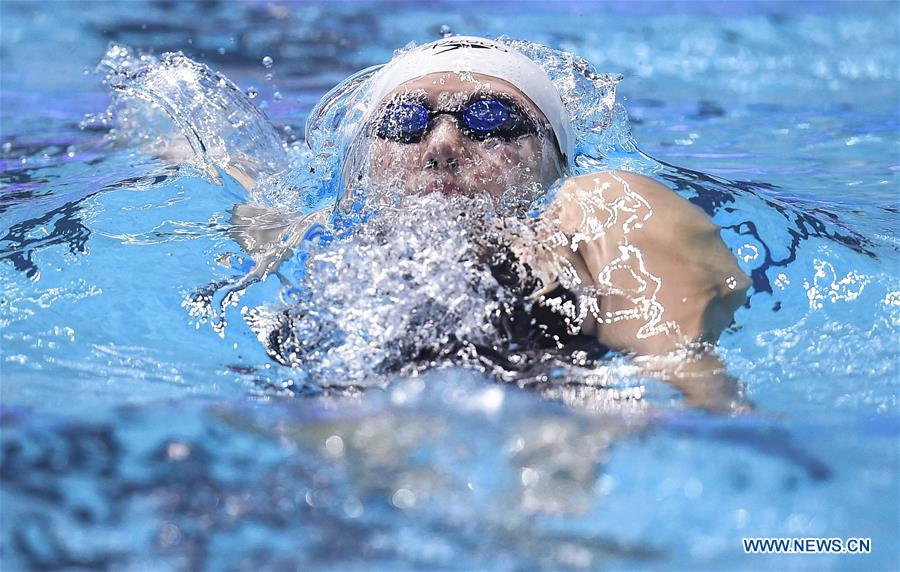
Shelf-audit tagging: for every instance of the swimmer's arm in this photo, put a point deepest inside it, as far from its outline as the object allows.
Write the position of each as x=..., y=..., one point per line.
x=247, y=181
x=267, y=235
x=654, y=253
x=176, y=150
x=700, y=376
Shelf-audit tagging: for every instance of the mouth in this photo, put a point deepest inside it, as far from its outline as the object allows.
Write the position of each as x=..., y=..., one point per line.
x=446, y=187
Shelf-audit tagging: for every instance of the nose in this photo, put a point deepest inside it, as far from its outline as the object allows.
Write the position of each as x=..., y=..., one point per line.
x=445, y=147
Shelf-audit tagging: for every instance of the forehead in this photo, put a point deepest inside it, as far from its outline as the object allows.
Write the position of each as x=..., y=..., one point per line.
x=449, y=87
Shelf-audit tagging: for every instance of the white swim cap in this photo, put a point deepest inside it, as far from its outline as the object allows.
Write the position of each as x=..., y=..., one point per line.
x=479, y=55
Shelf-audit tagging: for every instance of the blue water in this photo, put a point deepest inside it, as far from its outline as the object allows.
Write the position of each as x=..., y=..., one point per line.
x=134, y=437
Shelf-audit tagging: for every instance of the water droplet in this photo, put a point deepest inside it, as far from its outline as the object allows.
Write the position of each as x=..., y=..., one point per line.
x=267, y=61
x=445, y=31
x=244, y=265
x=277, y=96
x=252, y=93
x=70, y=151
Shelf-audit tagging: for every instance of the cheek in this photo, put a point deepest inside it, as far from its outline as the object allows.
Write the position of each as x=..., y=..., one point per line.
x=511, y=162
x=389, y=159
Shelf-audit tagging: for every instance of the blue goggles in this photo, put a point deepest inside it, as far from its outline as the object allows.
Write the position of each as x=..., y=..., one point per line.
x=407, y=122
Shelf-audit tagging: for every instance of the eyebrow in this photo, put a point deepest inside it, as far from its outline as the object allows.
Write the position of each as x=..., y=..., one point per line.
x=421, y=97
x=414, y=96
x=499, y=96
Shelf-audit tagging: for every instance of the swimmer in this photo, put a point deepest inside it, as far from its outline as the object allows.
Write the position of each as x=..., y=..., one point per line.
x=466, y=116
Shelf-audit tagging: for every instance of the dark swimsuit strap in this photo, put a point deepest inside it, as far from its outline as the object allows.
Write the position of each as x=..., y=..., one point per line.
x=536, y=322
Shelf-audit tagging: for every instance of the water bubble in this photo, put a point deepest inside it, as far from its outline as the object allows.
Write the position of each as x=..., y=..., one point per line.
x=178, y=451
x=267, y=62
x=7, y=147
x=353, y=508
x=529, y=476
x=169, y=535
x=290, y=295
x=445, y=31
x=334, y=445
x=252, y=93
x=403, y=499
x=221, y=51
x=268, y=77
x=277, y=96
x=693, y=488
x=70, y=151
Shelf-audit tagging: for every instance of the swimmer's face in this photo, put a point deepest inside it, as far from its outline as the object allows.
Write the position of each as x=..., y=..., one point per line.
x=451, y=158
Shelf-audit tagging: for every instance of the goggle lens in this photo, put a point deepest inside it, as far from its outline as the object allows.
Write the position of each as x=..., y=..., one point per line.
x=486, y=115
x=403, y=121
x=407, y=122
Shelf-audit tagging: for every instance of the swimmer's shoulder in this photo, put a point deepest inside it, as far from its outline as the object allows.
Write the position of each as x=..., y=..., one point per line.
x=632, y=192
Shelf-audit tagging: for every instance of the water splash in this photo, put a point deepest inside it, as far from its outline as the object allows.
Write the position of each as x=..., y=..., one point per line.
x=220, y=127
x=387, y=295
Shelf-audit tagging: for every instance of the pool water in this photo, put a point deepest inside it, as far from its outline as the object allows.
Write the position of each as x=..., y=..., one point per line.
x=136, y=436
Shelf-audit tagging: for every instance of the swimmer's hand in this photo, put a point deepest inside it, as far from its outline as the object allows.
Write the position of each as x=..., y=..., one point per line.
x=652, y=269
x=269, y=236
